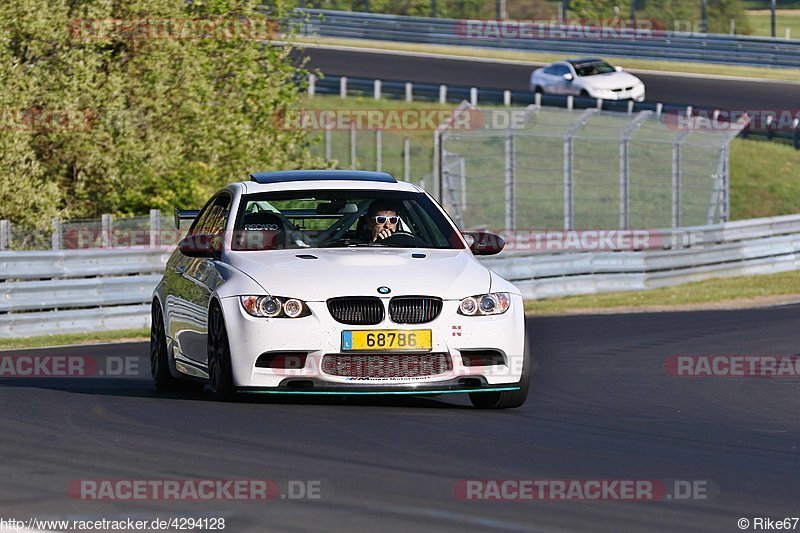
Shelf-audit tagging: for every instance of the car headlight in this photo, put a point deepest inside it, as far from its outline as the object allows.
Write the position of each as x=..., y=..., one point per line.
x=495, y=303
x=274, y=307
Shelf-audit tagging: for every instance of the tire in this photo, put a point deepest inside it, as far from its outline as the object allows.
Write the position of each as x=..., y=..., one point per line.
x=163, y=380
x=585, y=94
x=507, y=399
x=538, y=89
x=220, y=374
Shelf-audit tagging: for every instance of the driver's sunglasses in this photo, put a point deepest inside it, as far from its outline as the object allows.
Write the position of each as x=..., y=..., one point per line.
x=381, y=219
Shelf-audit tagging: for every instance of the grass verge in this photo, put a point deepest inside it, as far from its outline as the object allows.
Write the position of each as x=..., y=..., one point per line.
x=740, y=291
x=125, y=335
x=760, y=21
x=518, y=55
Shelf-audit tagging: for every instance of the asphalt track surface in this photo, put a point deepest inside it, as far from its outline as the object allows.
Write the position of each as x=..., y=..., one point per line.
x=738, y=95
x=602, y=407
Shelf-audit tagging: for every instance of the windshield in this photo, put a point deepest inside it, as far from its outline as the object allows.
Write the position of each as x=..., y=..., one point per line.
x=592, y=68
x=341, y=218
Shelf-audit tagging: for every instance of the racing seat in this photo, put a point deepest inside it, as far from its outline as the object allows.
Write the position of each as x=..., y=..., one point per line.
x=262, y=230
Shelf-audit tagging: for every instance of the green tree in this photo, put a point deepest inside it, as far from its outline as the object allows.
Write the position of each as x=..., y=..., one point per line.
x=162, y=121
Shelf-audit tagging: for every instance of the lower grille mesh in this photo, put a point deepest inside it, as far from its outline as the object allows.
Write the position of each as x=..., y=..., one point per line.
x=386, y=365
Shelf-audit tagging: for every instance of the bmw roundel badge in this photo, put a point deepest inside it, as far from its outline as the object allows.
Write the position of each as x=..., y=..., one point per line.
x=384, y=290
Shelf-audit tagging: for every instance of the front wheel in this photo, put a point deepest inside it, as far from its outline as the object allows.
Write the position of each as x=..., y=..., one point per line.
x=159, y=362
x=220, y=374
x=507, y=399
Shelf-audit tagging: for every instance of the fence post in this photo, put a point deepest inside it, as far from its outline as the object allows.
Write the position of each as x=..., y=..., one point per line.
x=376, y=89
x=379, y=150
x=442, y=94
x=796, y=134
x=406, y=158
x=537, y=99
x=353, y=145
x=5, y=235
x=343, y=87
x=312, y=85
x=106, y=228
x=473, y=96
x=568, y=135
x=409, y=91
x=437, y=165
x=625, y=169
x=507, y=98
x=570, y=102
x=155, y=227
x=510, y=222
x=659, y=108
x=676, y=178
x=327, y=143
x=55, y=238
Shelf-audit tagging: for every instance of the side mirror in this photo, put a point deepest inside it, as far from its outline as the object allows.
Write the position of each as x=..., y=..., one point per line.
x=484, y=243
x=567, y=76
x=201, y=246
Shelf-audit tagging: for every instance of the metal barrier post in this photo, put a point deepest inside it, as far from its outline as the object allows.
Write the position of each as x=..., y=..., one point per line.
x=376, y=89
x=442, y=94
x=409, y=91
x=343, y=87
x=312, y=85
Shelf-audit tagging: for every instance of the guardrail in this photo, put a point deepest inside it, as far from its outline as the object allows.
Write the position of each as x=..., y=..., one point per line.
x=81, y=293
x=334, y=84
x=644, y=44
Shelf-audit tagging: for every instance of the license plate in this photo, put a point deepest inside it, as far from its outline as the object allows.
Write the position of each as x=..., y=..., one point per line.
x=387, y=340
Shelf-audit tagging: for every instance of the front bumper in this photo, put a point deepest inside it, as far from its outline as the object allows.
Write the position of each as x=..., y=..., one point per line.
x=319, y=334
x=637, y=94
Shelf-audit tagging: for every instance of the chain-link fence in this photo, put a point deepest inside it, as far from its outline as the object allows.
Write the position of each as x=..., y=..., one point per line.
x=154, y=230
x=585, y=169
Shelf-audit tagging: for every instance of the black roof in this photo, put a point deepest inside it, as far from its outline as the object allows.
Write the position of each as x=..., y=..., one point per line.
x=318, y=175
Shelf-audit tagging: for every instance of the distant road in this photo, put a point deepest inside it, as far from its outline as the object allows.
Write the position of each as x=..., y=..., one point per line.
x=668, y=88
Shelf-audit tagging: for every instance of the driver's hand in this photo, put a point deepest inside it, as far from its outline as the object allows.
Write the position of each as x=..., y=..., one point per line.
x=382, y=234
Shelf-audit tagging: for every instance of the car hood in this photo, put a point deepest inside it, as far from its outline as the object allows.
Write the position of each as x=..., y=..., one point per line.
x=612, y=80
x=318, y=274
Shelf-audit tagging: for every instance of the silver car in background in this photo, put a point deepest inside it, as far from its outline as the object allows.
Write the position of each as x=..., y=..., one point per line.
x=588, y=77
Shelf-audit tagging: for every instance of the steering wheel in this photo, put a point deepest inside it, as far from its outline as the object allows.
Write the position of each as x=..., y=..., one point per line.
x=402, y=238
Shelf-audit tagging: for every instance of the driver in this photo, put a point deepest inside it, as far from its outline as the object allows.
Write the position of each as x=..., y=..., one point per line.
x=382, y=220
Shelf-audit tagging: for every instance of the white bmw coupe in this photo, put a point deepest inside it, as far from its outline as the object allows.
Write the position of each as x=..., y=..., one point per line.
x=282, y=287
